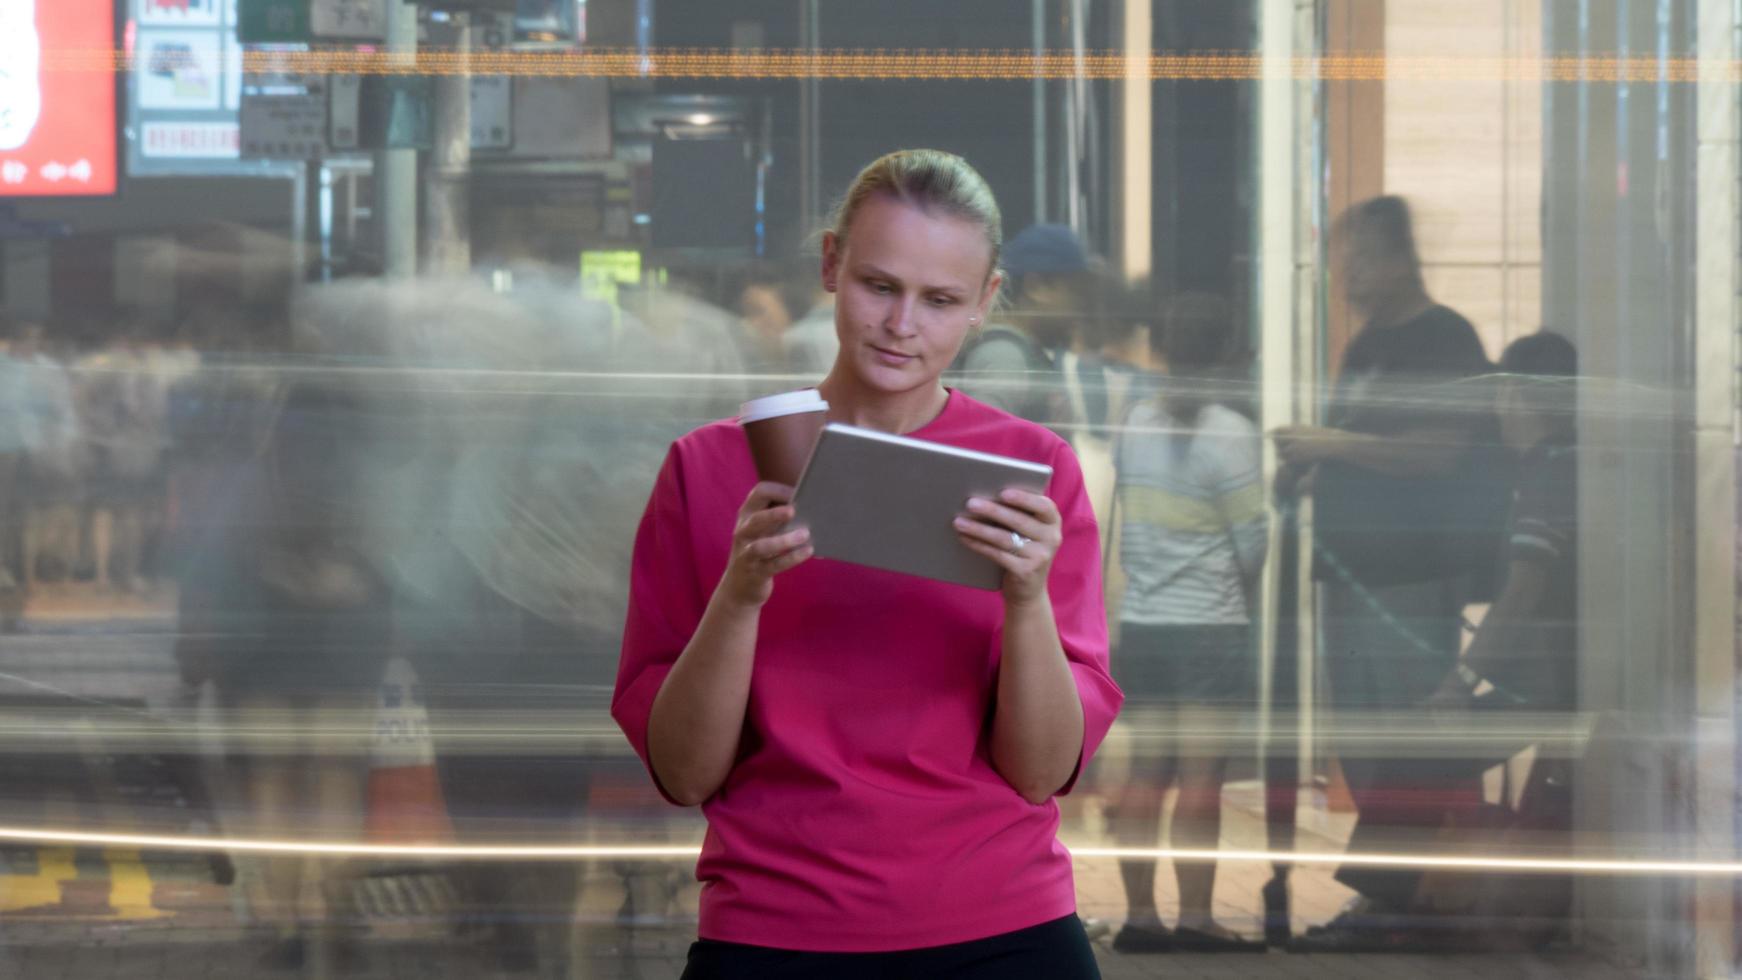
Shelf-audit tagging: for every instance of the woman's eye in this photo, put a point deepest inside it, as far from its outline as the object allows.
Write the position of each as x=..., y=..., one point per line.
x=941, y=301
x=880, y=288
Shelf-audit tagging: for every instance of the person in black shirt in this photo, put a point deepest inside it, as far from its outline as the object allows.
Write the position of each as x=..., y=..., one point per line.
x=1523, y=658
x=1526, y=649
x=1389, y=476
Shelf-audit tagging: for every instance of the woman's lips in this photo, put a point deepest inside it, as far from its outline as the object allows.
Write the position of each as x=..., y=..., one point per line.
x=892, y=357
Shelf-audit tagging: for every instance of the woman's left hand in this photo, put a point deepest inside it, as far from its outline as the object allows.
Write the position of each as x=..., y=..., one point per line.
x=1021, y=531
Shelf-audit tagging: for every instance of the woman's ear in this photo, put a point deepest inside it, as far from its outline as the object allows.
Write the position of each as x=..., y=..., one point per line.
x=831, y=260
x=988, y=295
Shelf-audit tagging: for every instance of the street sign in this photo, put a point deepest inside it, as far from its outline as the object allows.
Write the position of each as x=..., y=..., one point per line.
x=492, y=112
x=284, y=116
x=602, y=272
x=188, y=140
x=356, y=20
x=302, y=21
x=184, y=91
x=345, y=112
x=273, y=21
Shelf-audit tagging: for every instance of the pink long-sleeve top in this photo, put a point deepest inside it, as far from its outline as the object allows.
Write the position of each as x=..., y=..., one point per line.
x=864, y=813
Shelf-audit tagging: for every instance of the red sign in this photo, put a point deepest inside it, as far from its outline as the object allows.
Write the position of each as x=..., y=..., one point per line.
x=57, y=101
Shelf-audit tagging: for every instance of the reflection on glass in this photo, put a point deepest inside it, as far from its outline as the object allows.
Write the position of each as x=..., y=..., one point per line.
x=318, y=564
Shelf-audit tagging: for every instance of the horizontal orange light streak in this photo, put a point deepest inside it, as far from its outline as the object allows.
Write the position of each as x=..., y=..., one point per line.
x=548, y=852
x=945, y=64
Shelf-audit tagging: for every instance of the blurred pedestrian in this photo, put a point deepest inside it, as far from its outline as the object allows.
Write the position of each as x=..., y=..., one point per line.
x=1527, y=646
x=1014, y=363
x=1192, y=538
x=123, y=411
x=1393, y=478
x=769, y=304
x=283, y=611
x=53, y=468
x=15, y=424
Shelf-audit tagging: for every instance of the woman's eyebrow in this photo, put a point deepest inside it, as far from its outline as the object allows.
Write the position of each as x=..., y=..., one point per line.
x=873, y=272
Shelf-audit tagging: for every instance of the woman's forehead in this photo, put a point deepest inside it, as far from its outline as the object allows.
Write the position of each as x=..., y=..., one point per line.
x=904, y=239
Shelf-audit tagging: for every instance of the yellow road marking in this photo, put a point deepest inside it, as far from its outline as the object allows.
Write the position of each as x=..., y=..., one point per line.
x=54, y=865
x=130, y=885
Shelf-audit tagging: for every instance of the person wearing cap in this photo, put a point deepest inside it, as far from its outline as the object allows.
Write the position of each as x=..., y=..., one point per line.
x=1015, y=365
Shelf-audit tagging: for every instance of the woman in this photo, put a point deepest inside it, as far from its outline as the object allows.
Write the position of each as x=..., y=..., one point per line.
x=1192, y=546
x=876, y=754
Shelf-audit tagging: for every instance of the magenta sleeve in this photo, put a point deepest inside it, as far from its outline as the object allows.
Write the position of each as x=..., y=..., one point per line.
x=1075, y=589
x=665, y=606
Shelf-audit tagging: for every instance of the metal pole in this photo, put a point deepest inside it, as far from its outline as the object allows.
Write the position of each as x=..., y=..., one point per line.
x=1136, y=166
x=299, y=222
x=395, y=207
x=1284, y=716
x=809, y=120
x=1074, y=123
x=1037, y=17
x=447, y=180
x=323, y=178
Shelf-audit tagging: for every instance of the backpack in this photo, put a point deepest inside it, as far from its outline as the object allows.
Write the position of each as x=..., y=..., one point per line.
x=1038, y=396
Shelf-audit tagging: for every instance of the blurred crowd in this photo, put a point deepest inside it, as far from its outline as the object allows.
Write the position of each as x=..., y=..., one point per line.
x=85, y=434
x=449, y=473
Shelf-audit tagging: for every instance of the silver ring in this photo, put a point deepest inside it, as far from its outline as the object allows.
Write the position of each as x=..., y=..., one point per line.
x=1017, y=542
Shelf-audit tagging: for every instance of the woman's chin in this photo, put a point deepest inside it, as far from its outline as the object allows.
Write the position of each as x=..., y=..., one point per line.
x=875, y=375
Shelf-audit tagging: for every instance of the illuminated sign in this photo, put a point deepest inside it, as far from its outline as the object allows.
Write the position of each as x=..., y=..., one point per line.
x=180, y=12
x=57, y=127
x=185, y=90
x=602, y=272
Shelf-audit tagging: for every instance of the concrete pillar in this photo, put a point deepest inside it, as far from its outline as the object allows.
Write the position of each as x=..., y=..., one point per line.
x=1136, y=173
x=1618, y=278
x=1717, y=315
x=395, y=205
x=447, y=242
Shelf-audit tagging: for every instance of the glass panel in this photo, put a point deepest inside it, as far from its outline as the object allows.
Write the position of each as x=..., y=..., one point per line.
x=382, y=556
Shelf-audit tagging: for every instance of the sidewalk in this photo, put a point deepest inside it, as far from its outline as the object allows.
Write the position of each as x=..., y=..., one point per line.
x=607, y=954
x=79, y=914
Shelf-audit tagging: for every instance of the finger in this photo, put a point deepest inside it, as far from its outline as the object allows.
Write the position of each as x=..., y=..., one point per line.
x=765, y=493
x=791, y=559
x=1023, y=523
x=998, y=538
x=1038, y=504
x=1002, y=557
x=765, y=522
x=777, y=545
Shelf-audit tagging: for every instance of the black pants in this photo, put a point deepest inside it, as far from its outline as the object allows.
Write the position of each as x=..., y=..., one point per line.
x=1056, y=950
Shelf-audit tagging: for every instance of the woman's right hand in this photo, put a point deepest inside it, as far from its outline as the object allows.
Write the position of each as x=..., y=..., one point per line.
x=760, y=550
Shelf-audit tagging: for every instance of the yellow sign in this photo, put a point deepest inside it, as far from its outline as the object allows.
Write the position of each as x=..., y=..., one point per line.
x=603, y=272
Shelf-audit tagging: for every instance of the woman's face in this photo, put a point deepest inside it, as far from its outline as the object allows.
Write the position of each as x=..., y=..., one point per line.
x=908, y=287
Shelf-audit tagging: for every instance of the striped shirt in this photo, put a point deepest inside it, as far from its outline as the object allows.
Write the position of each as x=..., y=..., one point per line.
x=1193, y=525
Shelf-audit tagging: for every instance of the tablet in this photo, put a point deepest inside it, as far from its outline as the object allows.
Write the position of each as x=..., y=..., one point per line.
x=890, y=502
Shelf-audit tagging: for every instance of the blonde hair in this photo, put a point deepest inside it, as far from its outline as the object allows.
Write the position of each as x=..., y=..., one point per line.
x=930, y=180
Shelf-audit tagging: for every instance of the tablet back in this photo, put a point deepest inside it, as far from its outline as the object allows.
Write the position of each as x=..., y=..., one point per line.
x=889, y=502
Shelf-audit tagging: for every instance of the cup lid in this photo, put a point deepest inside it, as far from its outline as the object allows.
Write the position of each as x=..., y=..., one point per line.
x=785, y=403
